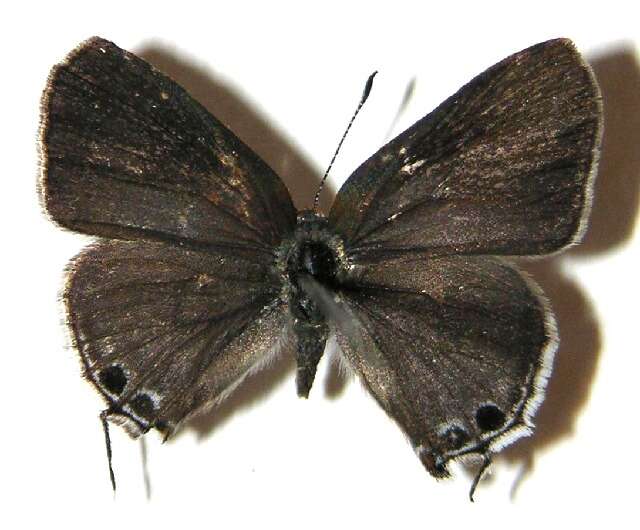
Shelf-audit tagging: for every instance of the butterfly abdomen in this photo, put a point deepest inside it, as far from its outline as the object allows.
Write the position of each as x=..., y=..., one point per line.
x=313, y=251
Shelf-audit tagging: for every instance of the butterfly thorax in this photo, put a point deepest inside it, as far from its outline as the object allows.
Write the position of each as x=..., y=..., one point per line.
x=312, y=251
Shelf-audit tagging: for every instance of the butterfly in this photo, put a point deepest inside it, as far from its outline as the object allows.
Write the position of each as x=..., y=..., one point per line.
x=203, y=269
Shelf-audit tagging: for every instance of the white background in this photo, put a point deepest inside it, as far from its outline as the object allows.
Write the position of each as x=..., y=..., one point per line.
x=286, y=78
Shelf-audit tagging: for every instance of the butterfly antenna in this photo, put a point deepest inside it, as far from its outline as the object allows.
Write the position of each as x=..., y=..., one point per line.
x=486, y=462
x=107, y=442
x=365, y=95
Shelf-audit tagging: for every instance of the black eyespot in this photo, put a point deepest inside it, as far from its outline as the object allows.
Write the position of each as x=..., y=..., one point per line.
x=113, y=379
x=489, y=417
x=143, y=406
x=455, y=437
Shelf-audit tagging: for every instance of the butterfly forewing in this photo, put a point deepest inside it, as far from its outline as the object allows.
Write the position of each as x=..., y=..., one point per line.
x=129, y=154
x=501, y=167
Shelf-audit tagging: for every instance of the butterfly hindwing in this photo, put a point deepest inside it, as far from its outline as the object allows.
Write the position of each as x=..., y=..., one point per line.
x=163, y=330
x=127, y=153
x=456, y=349
x=501, y=167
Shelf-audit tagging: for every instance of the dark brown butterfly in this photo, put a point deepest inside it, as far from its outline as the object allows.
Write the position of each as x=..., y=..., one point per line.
x=204, y=269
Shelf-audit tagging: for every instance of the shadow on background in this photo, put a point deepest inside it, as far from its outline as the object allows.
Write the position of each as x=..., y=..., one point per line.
x=617, y=186
x=613, y=217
